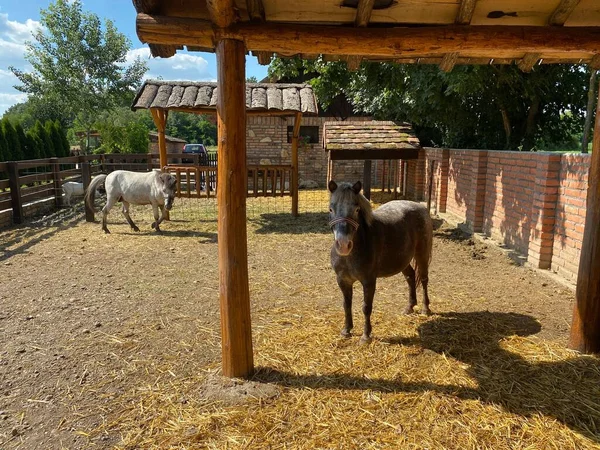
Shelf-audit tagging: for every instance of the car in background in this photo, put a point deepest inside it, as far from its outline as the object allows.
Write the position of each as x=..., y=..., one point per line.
x=198, y=149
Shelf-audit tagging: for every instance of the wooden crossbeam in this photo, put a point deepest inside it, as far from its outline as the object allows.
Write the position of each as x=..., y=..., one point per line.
x=363, y=12
x=375, y=42
x=449, y=61
x=147, y=6
x=264, y=58
x=353, y=62
x=256, y=10
x=223, y=13
x=595, y=62
x=562, y=12
x=465, y=12
x=529, y=60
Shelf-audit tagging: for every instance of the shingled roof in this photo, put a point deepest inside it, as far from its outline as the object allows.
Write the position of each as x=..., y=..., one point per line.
x=370, y=140
x=202, y=96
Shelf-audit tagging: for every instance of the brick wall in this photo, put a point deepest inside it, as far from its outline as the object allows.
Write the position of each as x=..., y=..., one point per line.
x=531, y=202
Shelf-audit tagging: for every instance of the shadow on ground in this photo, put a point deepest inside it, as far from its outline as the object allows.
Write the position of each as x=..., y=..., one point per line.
x=286, y=224
x=560, y=389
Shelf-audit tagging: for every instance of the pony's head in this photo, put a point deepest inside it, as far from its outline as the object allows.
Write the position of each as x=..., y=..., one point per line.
x=168, y=185
x=348, y=209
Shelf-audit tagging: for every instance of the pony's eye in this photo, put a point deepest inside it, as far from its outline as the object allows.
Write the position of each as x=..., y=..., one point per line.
x=357, y=210
x=330, y=210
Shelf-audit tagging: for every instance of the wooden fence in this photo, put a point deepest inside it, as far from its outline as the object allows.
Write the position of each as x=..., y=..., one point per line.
x=39, y=182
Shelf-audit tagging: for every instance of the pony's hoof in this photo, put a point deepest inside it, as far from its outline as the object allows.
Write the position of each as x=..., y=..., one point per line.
x=346, y=333
x=135, y=229
x=425, y=312
x=365, y=339
x=153, y=225
x=106, y=231
x=408, y=310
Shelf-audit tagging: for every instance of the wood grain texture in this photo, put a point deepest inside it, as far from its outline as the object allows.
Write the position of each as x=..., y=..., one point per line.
x=562, y=12
x=529, y=61
x=223, y=13
x=449, y=61
x=234, y=295
x=427, y=42
x=585, y=327
x=465, y=12
x=294, y=183
x=363, y=12
x=256, y=10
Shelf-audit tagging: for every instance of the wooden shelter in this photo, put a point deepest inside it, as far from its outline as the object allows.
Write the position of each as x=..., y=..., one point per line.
x=368, y=141
x=449, y=32
x=161, y=96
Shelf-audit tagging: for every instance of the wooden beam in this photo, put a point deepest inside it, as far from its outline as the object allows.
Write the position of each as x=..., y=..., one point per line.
x=294, y=184
x=449, y=61
x=264, y=58
x=595, y=62
x=367, y=179
x=353, y=62
x=562, y=12
x=160, y=120
x=363, y=12
x=234, y=295
x=256, y=10
x=585, y=327
x=147, y=6
x=465, y=12
x=471, y=42
x=529, y=60
x=223, y=13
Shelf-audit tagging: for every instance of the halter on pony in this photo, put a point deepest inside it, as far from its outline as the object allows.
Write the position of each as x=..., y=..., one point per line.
x=337, y=220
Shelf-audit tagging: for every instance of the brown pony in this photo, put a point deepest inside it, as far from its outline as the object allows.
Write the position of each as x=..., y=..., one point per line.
x=371, y=244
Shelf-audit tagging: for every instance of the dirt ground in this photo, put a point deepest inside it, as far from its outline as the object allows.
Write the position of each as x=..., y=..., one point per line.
x=87, y=317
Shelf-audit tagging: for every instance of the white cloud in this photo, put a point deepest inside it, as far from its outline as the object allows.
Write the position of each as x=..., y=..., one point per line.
x=181, y=66
x=17, y=32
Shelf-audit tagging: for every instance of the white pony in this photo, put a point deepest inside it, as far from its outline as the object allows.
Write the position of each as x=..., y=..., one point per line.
x=71, y=188
x=149, y=188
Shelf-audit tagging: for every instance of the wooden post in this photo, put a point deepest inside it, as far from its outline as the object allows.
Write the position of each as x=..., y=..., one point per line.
x=56, y=181
x=234, y=295
x=86, y=178
x=367, y=179
x=585, y=327
x=329, y=167
x=295, y=137
x=160, y=120
x=15, y=191
x=383, y=164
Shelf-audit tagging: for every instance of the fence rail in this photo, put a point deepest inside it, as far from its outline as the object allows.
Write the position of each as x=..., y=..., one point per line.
x=24, y=182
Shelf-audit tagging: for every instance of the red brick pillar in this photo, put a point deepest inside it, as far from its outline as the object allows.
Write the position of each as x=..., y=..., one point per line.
x=543, y=214
x=476, y=207
x=443, y=171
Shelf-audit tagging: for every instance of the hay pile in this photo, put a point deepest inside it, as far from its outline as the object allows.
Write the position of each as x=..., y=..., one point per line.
x=456, y=380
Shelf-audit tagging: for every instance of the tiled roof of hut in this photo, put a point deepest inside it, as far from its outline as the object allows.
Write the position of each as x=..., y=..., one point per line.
x=202, y=96
x=375, y=135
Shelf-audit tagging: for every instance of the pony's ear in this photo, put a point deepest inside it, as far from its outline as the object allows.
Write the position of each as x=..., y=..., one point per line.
x=332, y=186
x=356, y=187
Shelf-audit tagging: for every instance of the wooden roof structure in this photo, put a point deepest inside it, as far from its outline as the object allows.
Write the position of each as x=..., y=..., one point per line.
x=202, y=97
x=444, y=32
x=370, y=140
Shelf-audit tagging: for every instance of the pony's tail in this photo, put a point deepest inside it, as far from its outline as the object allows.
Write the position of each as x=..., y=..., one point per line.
x=90, y=194
x=424, y=252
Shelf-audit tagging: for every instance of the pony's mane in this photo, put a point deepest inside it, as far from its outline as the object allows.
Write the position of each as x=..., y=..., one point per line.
x=366, y=209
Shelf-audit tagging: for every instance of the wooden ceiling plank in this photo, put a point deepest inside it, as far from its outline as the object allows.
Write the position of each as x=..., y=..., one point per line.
x=562, y=12
x=363, y=12
x=256, y=10
x=529, y=60
x=223, y=13
x=147, y=6
x=465, y=12
x=449, y=61
x=480, y=41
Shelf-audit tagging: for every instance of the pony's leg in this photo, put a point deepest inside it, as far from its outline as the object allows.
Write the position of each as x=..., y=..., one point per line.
x=410, y=277
x=157, y=220
x=133, y=226
x=346, y=289
x=369, y=293
x=425, y=309
x=110, y=202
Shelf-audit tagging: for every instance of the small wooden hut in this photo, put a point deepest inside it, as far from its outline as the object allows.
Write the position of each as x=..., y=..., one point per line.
x=368, y=141
x=447, y=33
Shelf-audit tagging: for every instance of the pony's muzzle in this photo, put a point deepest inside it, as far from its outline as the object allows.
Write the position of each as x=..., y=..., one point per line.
x=343, y=246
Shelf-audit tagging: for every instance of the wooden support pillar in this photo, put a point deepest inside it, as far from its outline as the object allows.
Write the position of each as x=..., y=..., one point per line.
x=56, y=182
x=234, y=295
x=585, y=327
x=294, y=186
x=367, y=179
x=15, y=192
x=160, y=120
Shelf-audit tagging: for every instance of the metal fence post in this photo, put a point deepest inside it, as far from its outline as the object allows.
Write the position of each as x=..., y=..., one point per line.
x=86, y=178
x=15, y=191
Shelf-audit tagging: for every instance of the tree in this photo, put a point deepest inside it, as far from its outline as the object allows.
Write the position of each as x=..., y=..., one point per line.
x=23, y=141
x=495, y=107
x=79, y=64
x=192, y=128
x=44, y=143
x=4, y=156
x=54, y=135
x=14, y=152
x=64, y=141
x=34, y=145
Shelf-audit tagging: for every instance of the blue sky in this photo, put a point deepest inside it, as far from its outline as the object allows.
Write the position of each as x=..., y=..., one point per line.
x=19, y=17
